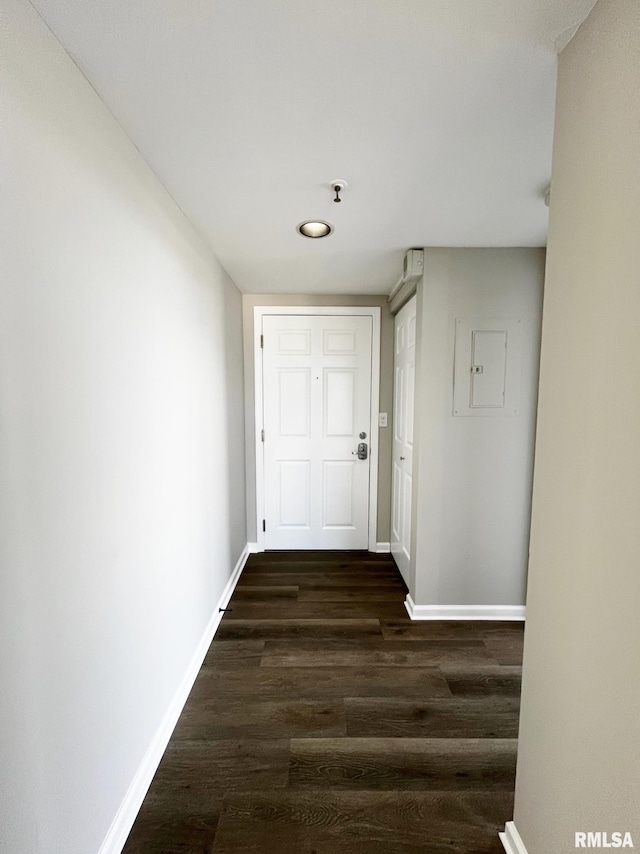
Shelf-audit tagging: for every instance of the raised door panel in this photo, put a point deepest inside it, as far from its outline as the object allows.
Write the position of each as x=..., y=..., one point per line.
x=339, y=402
x=398, y=398
x=293, y=342
x=396, y=510
x=409, y=382
x=339, y=342
x=338, y=498
x=405, y=537
x=294, y=494
x=294, y=402
x=411, y=329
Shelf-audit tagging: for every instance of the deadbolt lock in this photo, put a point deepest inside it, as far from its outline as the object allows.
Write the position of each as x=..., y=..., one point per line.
x=363, y=451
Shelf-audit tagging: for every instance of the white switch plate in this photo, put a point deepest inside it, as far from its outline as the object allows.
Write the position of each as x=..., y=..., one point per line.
x=382, y=419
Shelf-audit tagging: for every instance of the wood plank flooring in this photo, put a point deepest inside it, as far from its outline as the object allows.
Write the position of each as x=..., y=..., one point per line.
x=323, y=719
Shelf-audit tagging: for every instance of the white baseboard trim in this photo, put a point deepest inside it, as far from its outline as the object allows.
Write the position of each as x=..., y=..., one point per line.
x=383, y=548
x=253, y=548
x=123, y=822
x=464, y=612
x=511, y=841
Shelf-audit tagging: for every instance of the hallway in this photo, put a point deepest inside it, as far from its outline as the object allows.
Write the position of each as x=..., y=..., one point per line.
x=323, y=717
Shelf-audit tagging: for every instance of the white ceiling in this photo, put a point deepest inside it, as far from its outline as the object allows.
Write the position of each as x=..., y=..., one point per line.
x=439, y=114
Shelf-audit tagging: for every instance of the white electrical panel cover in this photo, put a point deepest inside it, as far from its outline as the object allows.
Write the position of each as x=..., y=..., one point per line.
x=487, y=367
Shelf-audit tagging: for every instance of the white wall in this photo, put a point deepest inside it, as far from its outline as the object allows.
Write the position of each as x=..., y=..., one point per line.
x=579, y=749
x=472, y=476
x=122, y=500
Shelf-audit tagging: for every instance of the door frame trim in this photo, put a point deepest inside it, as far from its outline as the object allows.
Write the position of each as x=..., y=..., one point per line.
x=374, y=312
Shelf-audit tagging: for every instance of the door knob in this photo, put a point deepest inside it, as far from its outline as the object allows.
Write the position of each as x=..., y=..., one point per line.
x=401, y=458
x=363, y=451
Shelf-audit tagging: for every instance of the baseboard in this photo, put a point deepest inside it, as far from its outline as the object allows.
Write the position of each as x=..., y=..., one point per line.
x=464, y=612
x=130, y=806
x=253, y=548
x=383, y=548
x=511, y=841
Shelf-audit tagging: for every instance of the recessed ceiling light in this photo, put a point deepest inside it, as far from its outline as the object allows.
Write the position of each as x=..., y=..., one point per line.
x=314, y=228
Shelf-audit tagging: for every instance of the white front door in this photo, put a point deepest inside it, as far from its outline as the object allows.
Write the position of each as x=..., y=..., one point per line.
x=317, y=402
x=402, y=454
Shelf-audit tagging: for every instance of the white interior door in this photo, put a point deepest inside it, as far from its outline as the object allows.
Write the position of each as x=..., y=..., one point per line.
x=316, y=403
x=402, y=455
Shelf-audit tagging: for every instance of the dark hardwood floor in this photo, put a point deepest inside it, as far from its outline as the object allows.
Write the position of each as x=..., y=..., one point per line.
x=324, y=720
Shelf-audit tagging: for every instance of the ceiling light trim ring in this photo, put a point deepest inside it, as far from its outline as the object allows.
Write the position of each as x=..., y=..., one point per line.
x=320, y=226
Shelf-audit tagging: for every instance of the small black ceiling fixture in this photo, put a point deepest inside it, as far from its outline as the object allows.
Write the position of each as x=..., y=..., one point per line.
x=338, y=185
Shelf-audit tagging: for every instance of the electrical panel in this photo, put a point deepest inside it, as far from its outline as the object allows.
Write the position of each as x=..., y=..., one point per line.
x=487, y=368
